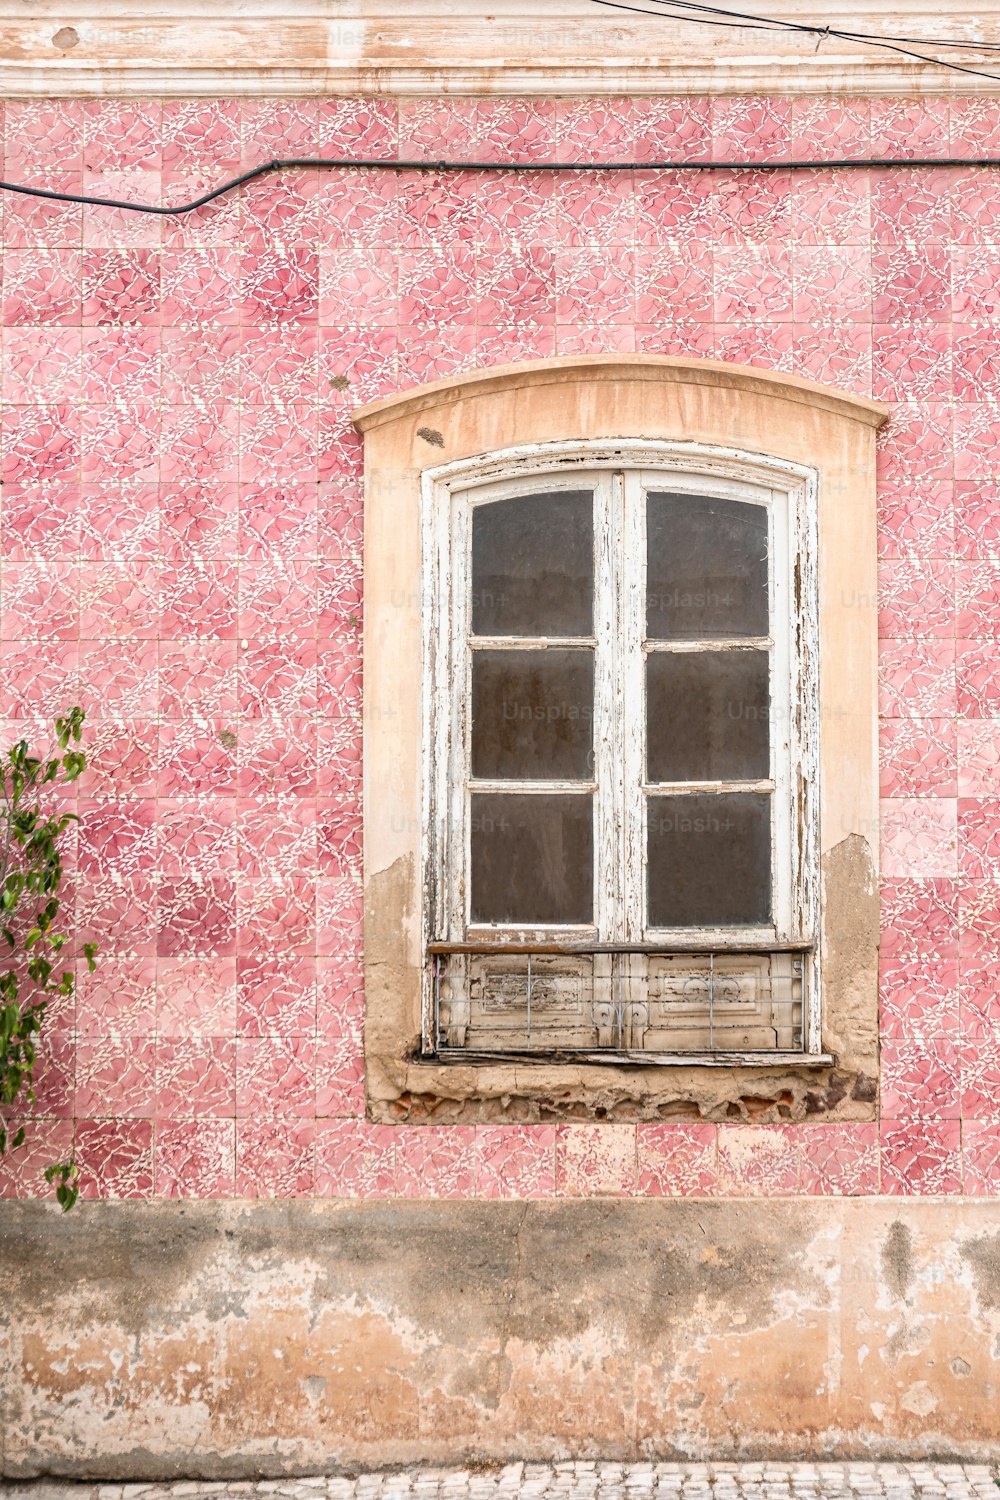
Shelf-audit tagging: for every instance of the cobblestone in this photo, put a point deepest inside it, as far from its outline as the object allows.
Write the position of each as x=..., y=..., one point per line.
x=572, y=1481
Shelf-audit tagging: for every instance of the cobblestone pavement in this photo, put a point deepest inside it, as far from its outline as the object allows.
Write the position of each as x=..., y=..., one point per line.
x=574, y=1481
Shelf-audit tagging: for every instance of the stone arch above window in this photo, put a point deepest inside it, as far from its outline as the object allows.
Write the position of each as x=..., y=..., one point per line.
x=803, y=453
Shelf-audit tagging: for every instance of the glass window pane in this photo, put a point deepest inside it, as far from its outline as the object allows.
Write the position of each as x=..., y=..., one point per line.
x=532, y=858
x=533, y=565
x=532, y=714
x=706, y=568
x=709, y=859
x=707, y=716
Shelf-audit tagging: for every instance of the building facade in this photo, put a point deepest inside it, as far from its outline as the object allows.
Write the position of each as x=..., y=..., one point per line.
x=307, y=1237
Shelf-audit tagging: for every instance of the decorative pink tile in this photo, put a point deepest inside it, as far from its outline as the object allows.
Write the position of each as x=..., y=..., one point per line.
x=918, y=758
x=115, y=1077
x=117, y=999
x=751, y=205
x=974, y=211
x=197, y=759
x=200, y=363
x=119, y=521
x=906, y=128
x=357, y=127
x=340, y=676
x=115, y=1158
x=771, y=345
x=517, y=129
x=340, y=1073
x=195, y=997
x=197, y=678
x=338, y=758
x=39, y=679
x=748, y=128
x=981, y=1158
x=41, y=443
x=198, y=598
x=119, y=600
x=197, y=131
x=279, y=363
x=977, y=433
x=277, y=678
x=436, y=1161
x=196, y=1076
x=120, y=442
x=422, y=355
x=911, y=280
x=278, y=520
x=121, y=228
x=920, y=1158
x=752, y=282
x=22, y=1171
x=977, y=679
x=830, y=207
x=759, y=1160
x=117, y=839
x=516, y=1161
x=916, y=598
x=978, y=758
x=121, y=286
x=275, y=1158
x=595, y=1160
x=198, y=519
x=910, y=208
x=912, y=361
x=839, y=355
x=672, y=208
x=594, y=209
x=357, y=366
x=196, y=918
x=41, y=287
x=278, y=443
x=516, y=284
x=979, y=1002
x=277, y=915
x=357, y=208
x=122, y=132
x=196, y=440
x=673, y=282
x=979, y=838
x=41, y=365
x=977, y=587
x=595, y=129
x=340, y=588
x=917, y=678
x=196, y=838
x=839, y=1160
x=919, y=1079
x=916, y=518
x=977, y=364
x=29, y=530
x=121, y=759
x=42, y=133
x=977, y=519
x=40, y=601
x=278, y=758
x=821, y=125
x=920, y=920
x=338, y=827
x=917, y=444
x=677, y=1161
x=355, y=1159
x=210, y=226
x=975, y=294
x=979, y=921
x=516, y=209
x=279, y=287
x=432, y=129
x=276, y=997
x=54, y=1074
x=276, y=839
x=668, y=128
x=919, y=836
x=980, y=1076
x=120, y=917
x=195, y=1159
x=436, y=208
x=918, y=999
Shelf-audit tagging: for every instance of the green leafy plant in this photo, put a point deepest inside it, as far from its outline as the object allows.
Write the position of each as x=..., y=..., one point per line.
x=31, y=843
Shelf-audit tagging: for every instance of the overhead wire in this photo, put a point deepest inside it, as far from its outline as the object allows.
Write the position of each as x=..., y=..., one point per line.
x=391, y=164
x=767, y=23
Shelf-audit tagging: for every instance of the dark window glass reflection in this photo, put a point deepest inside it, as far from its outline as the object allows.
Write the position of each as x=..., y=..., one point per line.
x=532, y=858
x=707, y=716
x=533, y=565
x=706, y=568
x=532, y=714
x=709, y=859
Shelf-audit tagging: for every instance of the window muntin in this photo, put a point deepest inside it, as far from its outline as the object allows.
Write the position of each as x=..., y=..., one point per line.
x=591, y=603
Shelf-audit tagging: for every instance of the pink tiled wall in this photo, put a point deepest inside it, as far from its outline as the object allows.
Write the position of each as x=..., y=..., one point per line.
x=181, y=553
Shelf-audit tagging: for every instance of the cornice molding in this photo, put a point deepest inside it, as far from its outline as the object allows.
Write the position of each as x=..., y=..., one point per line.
x=618, y=369
x=436, y=47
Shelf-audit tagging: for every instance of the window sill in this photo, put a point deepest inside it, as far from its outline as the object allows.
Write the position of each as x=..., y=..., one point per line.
x=463, y=1057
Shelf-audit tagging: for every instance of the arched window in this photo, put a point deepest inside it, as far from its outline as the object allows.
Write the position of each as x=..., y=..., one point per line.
x=621, y=757
x=594, y=661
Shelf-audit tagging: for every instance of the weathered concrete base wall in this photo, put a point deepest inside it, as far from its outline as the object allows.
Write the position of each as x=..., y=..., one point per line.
x=215, y=1339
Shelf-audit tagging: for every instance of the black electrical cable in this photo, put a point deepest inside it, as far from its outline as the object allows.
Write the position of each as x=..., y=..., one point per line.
x=764, y=23
x=770, y=23
x=291, y=163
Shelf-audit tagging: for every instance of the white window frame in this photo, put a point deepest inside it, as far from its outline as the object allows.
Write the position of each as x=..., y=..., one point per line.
x=619, y=471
